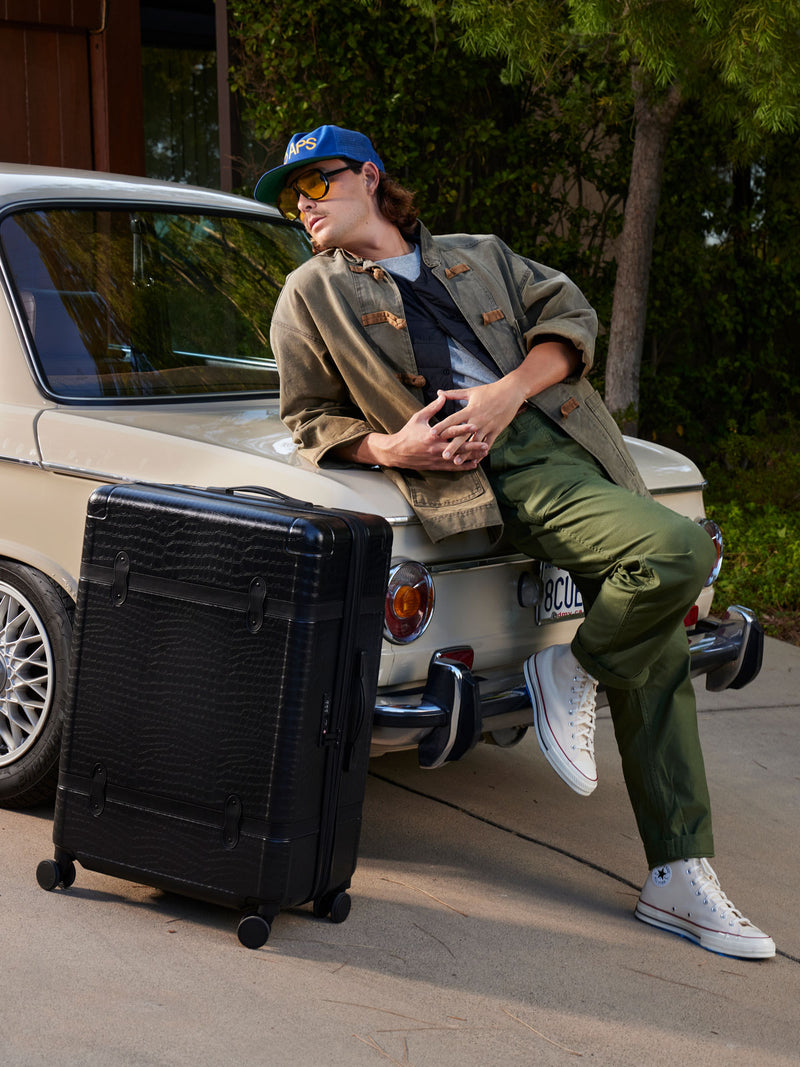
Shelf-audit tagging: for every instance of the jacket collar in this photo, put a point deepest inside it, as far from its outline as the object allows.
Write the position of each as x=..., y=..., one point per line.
x=430, y=251
x=422, y=236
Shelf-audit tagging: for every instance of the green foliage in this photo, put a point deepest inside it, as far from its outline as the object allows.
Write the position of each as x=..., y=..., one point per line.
x=440, y=124
x=722, y=345
x=750, y=48
x=754, y=491
x=762, y=557
x=733, y=57
x=545, y=171
x=761, y=468
x=757, y=52
x=531, y=37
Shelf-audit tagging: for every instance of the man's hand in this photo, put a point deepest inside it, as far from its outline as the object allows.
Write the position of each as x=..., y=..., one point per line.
x=490, y=408
x=420, y=446
x=486, y=413
x=460, y=441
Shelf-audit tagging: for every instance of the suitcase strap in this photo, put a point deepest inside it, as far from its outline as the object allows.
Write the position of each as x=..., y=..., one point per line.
x=102, y=797
x=254, y=603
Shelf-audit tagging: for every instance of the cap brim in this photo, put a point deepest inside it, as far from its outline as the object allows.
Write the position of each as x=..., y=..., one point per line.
x=270, y=184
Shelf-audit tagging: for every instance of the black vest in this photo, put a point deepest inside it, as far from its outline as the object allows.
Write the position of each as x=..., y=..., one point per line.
x=431, y=318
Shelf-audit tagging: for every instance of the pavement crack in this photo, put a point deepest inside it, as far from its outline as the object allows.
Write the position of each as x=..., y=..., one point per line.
x=508, y=830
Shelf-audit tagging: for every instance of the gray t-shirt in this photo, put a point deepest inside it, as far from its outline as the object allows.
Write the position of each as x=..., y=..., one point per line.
x=468, y=370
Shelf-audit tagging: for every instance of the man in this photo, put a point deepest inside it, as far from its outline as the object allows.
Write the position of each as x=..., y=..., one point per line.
x=459, y=368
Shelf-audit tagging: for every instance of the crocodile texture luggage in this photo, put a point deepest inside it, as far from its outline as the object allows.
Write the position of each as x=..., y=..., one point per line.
x=223, y=680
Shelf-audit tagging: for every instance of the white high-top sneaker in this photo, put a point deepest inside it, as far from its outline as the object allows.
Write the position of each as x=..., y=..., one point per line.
x=686, y=898
x=563, y=699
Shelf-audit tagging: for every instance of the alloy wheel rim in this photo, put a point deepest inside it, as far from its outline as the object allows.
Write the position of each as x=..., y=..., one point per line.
x=26, y=674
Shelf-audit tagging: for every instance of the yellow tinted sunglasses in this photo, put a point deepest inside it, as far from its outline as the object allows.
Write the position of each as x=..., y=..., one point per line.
x=313, y=185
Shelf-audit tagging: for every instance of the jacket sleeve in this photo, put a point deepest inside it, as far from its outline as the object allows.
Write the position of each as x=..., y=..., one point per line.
x=315, y=402
x=551, y=304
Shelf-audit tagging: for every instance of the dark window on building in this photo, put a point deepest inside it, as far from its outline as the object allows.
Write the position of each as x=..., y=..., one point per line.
x=179, y=72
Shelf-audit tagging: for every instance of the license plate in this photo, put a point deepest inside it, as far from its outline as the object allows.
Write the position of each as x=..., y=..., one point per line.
x=560, y=597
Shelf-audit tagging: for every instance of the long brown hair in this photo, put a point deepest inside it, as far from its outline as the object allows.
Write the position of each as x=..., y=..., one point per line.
x=397, y=204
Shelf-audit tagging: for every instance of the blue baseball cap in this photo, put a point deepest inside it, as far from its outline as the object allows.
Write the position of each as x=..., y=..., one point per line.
x=326, y=142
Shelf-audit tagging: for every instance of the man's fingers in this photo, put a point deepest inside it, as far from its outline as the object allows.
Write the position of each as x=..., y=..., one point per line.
x=461, y=429
x=427, y=413
x=464, y=447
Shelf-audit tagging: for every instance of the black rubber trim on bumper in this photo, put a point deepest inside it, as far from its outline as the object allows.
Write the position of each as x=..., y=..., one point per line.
x=450, y=706
x=729, y=651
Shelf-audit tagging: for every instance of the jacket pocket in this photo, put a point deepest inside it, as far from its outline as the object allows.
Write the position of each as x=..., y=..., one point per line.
x=442, y=489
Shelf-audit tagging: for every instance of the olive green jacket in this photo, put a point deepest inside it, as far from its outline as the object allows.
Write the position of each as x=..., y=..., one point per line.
x=347, y=366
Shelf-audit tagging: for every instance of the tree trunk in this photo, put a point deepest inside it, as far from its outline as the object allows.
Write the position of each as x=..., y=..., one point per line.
x=653, y=122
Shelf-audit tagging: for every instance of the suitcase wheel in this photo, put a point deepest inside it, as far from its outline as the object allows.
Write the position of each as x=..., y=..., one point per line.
x=253, y=931
x=336, y=905
x=50, y=874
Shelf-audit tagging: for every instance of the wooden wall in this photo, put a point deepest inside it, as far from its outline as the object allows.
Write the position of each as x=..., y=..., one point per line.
x=71, y=84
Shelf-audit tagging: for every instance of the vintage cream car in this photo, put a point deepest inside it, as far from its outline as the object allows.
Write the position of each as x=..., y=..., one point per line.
x=134, y=346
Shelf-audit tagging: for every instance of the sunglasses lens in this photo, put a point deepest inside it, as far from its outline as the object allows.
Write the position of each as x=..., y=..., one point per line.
x=313, y=185
x=287, y=203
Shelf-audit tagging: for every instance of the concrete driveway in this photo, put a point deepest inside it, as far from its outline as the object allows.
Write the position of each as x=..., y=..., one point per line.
x=492, y=923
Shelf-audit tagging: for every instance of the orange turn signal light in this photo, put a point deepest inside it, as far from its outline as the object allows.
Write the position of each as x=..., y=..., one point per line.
x=406, y=602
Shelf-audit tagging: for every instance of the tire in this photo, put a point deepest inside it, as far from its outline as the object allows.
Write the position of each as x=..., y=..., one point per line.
x=35, y=637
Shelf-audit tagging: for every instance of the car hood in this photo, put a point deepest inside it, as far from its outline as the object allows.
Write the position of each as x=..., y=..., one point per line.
x=244, y=442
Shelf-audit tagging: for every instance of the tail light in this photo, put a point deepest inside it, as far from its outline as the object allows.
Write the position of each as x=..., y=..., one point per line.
x=715, y=534
x=409, y=602
x=462, y=654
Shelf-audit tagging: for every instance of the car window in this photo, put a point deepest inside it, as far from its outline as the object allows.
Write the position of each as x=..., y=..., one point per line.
x=144, y=304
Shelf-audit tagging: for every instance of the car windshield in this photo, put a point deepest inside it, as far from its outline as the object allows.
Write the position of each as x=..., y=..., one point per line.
x=125, y=303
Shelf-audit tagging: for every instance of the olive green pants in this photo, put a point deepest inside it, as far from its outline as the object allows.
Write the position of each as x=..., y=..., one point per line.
x=639, y=567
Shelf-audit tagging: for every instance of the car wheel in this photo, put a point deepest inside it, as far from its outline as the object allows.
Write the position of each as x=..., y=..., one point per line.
x=35, y=636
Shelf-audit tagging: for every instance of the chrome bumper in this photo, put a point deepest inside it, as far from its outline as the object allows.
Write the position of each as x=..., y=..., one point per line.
x=445, y=718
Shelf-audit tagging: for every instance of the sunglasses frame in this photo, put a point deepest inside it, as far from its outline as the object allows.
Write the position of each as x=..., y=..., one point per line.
x=299, y=191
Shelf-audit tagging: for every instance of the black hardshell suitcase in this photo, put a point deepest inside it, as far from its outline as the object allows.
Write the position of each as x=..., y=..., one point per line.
x=223, y=680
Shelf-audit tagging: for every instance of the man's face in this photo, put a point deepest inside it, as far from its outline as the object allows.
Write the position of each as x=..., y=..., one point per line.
x=342, y=217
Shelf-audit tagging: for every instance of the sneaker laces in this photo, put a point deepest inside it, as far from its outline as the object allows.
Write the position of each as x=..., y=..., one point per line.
x=706, y=884
x=583, y=706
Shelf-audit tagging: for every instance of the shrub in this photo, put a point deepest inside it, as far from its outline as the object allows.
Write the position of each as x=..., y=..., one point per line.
x=762, y=556
x=754, y=489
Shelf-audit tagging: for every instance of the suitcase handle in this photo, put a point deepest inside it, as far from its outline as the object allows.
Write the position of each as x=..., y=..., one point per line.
x=357, y=719
x=261, y=490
